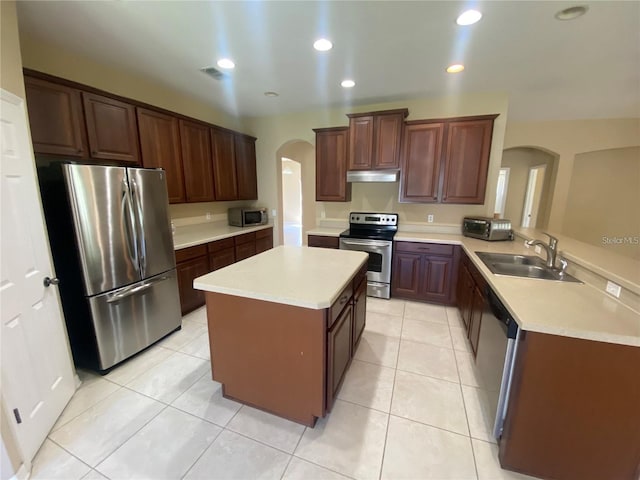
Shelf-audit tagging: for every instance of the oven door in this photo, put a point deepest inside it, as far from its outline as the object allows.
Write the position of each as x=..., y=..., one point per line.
x=379, y=267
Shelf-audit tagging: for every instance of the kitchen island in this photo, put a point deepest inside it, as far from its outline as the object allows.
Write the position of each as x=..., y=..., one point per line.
x=283, y=327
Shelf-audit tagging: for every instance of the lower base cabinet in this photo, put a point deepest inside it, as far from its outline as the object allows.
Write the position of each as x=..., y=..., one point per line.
x=193, y=262
x=323, y=242
x=471, y=302
x=425, y=271
x=359, y=311
x=339, y=349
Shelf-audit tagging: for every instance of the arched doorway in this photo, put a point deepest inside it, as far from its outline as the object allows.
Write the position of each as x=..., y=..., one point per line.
x=302, y=153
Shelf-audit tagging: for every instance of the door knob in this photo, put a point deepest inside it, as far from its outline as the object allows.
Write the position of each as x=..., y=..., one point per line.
x=50, y=281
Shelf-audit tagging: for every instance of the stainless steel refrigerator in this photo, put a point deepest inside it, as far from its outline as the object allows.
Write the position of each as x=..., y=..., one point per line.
x=113, y=251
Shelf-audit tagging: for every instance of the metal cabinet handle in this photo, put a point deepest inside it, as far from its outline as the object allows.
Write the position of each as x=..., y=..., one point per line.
x=50, y=281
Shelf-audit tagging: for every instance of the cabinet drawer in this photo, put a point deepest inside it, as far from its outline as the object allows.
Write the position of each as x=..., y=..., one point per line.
x=220, y=245
x=322, y=241
x=429, y=248
x=185, y=254
x=343, y=299
x=245, y=250
x=265, y=233
x=222, y=258
x=245, y=238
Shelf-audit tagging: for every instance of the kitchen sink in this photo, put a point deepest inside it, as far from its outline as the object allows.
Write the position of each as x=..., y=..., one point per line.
x=527, y=266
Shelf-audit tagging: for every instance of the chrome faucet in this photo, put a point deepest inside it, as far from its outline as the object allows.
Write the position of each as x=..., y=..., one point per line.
x=551, y=248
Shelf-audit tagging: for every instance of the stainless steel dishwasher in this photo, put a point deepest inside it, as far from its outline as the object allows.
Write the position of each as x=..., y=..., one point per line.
x=495, y=358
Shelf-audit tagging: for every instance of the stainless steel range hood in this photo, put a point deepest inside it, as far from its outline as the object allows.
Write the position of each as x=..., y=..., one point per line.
x=373, y=176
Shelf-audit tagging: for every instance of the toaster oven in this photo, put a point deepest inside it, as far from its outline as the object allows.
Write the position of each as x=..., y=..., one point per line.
x=486, y=228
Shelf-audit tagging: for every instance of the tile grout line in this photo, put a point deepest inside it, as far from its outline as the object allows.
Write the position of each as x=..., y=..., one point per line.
x=294, y=451
x=65, y=450
x=204, y=450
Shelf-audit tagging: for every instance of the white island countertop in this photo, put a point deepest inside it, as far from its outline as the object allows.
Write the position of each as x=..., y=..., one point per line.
x=299, y=276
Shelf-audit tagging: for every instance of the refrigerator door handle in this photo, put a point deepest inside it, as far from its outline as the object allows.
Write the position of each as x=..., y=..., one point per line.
x=128, y=291
x=140, y=241
x=129, y=225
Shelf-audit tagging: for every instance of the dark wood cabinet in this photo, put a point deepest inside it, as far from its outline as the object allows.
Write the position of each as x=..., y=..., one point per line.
x=338, y=352
x=323, y=241
x=111, y=129
x=359, y=312
x=475, y=318
x=446, y=161
x=221, y=253
x=374, y=139
x=160, y=148
x=467, y=160
x=331, y=165
x=224, y=165
x=471, y=301
x=245, y=245
x=264, y=240
x=56, y=118
x=425, y=271
x=245, y=160
x=191, y=263
x=464, y=292
x=421, y=160
x=196, y=161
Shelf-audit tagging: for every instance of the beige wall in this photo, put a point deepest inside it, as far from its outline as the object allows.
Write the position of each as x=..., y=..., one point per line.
x=12, y=81
x=47, y=58
x=519, y=161
x=604, y=200
x=567, y=139
x=275, y=131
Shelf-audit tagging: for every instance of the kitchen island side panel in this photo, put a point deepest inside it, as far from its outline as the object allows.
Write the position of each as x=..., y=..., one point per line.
x=269, y=355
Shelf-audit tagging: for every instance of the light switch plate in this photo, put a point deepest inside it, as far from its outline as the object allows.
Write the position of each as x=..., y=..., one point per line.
x=273, y=212
x=613, y=289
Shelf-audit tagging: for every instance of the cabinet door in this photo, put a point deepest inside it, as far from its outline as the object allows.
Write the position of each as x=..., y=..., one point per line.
x=437, y=273
x=160, y=148
x=222, y=259
x=190, y=299
x=361, y=142
x=264, y=240
x=359, y=312
x=405, y=279
x=465, y=295
x=246, y=167
x=196, y=160
x=466, y=161
x=331, y=165
x=338, y=353
x=111, y=128
x=55, y=118
x=224, y=164
x=245, y=250
x=475, y=322
x=388, y=134
x=421, y=158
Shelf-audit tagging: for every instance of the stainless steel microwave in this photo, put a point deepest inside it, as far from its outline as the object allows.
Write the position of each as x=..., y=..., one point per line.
x=245, y=217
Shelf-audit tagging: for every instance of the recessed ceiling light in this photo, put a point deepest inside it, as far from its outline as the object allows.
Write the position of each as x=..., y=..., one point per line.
x=348, y=83
x=469, y=17
x=457, y=68
x=571, y=13
x=226, y=63
x=322, y=45
x=271, y=94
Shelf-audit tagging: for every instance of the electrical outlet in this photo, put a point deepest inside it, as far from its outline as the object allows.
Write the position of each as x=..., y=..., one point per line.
x=538, y=249
x=430, y=218
x=208, y=215
x=273, y=212
x=613, y=289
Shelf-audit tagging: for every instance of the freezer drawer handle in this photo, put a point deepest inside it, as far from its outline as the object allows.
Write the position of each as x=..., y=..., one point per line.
x=133, y=290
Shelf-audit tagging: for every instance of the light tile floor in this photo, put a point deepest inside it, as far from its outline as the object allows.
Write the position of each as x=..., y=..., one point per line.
x=409, y=408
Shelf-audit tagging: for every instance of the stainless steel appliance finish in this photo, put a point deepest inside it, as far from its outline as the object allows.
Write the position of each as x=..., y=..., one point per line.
x=384, y=176
x=113, y=251
x=373, y=233
x=495, y=358
x=485, y=228
x=244, y=217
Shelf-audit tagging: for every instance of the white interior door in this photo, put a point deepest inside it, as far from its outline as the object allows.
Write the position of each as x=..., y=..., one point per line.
x=533, y=196
x=37, y=370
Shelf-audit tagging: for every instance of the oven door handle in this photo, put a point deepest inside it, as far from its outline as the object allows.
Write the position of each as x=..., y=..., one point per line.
x=366, y=243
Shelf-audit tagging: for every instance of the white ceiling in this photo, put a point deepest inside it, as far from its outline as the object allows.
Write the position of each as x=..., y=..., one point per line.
x=394, y=50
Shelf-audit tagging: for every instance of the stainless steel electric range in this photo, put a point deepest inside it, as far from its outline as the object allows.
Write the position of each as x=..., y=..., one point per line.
x=373, y=233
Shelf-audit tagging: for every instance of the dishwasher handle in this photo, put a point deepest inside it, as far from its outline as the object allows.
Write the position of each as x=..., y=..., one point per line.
x=501, y=313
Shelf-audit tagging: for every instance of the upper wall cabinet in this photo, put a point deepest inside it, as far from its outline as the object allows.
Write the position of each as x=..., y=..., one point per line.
x=446, y=161
x=160, y=147
x=196, y=161
x=224, y=164
x=111, y=128
x=374, y=139
x=331, y=165
x=55, y=118
x=245, y=157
